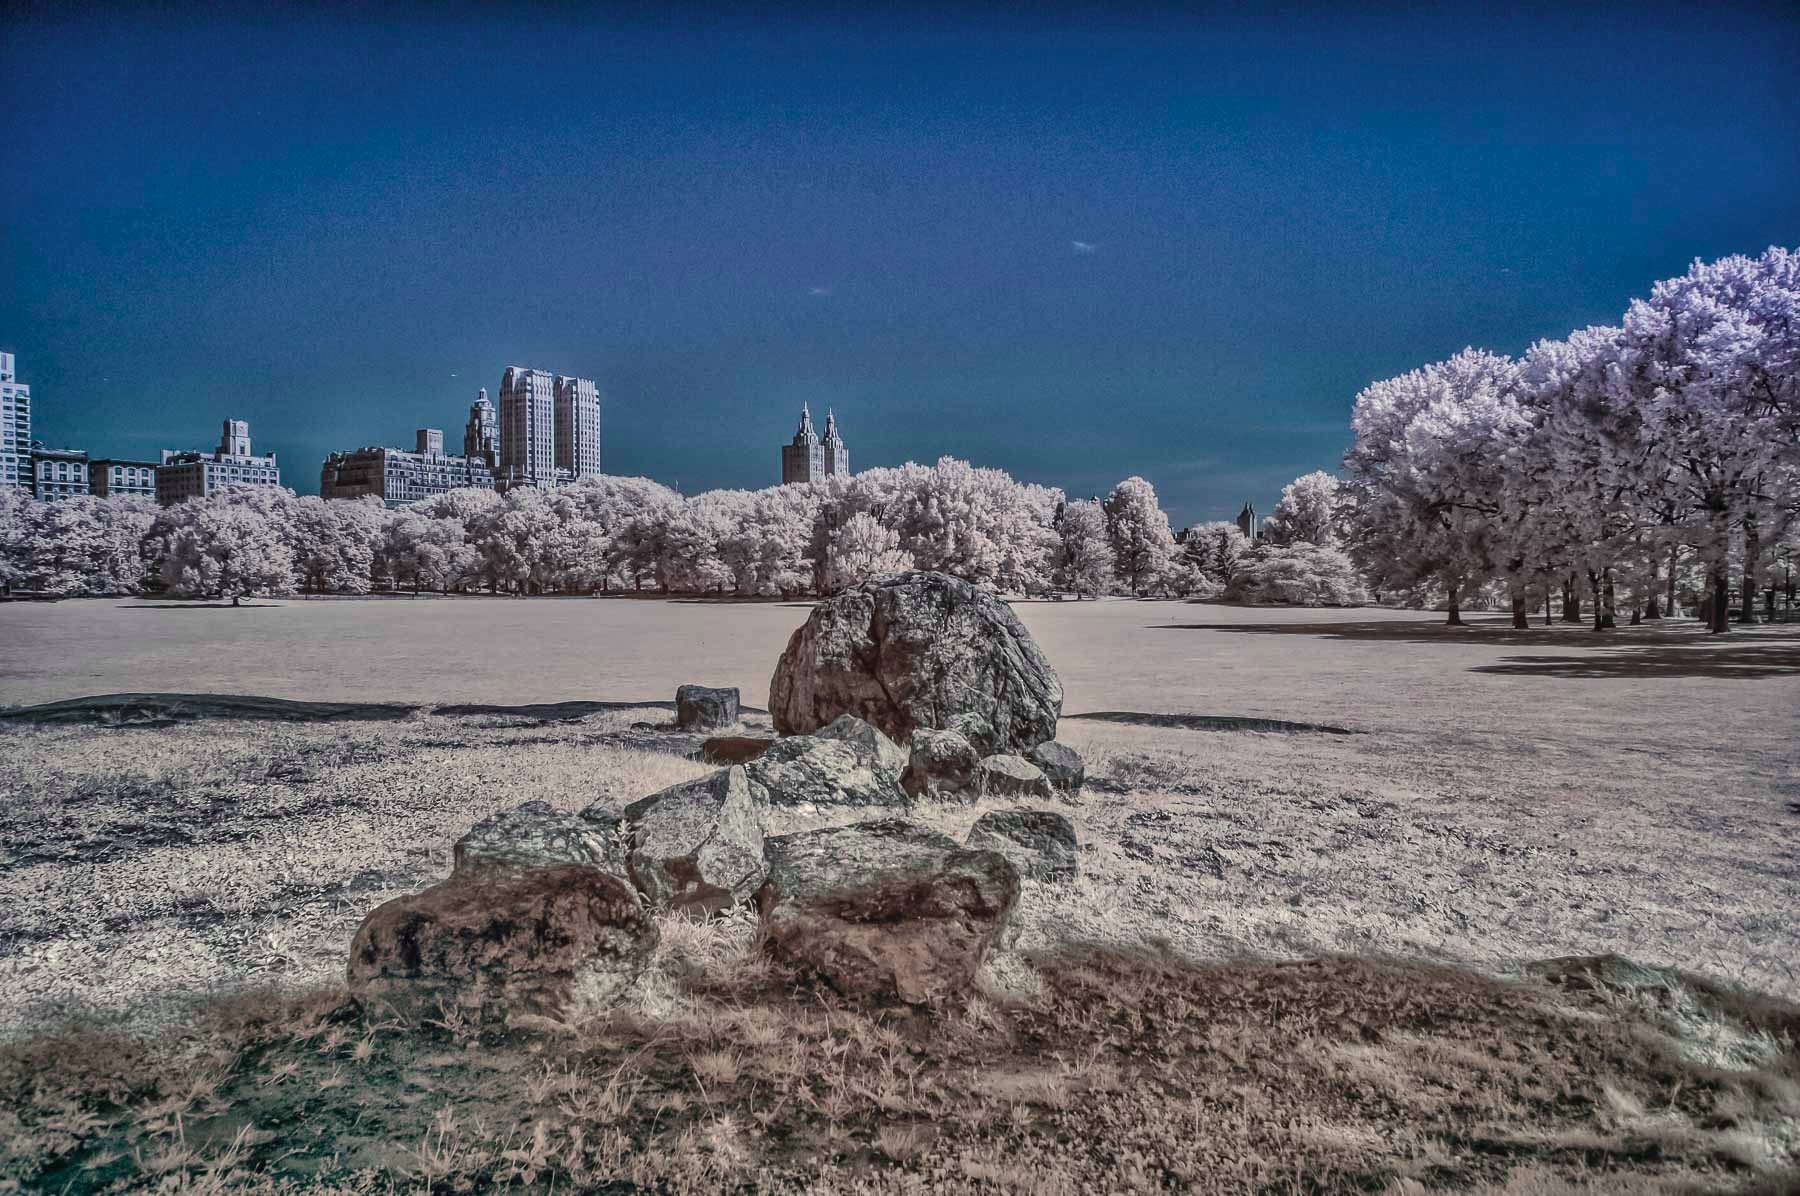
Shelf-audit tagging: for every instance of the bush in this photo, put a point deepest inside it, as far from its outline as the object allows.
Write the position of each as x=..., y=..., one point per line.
x=1298, y=575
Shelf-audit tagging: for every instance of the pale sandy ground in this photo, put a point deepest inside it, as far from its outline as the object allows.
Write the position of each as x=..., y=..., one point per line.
x=1513, y=796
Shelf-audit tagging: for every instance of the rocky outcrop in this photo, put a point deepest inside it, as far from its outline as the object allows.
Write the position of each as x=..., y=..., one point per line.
x=701, y=708
x=496, y=946
x=1061, y=764
x=698, y=846
x=1012, y=776
x=1040, y=844
x=919, y=650
x=810, y=772
x=942, y=766
x=885, y=910
x=538, y=835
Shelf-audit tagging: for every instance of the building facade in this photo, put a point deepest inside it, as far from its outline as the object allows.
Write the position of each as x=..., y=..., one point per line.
x=15, y=429
x=481, y=435
x=527, y=428
x=1247, y=522
x=577, y=428
x=398, y=477
x=108, y=476
x=58, y=473
x=197, y=474
x=806, y=458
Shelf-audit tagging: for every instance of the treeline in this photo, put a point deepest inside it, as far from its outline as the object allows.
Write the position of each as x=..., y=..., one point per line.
x=1638, y=466
x=608, y=533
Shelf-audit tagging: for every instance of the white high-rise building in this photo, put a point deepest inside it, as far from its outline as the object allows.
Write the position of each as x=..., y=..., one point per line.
x=15, y=429
x=549, y=428
x=577, y=428
x=527, y=428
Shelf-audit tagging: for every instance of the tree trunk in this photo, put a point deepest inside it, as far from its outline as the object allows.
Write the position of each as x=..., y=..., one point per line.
x=1752, y=566
x=1720, y=612
x=1609, y=607
x=1571, y=601
x=1455, y=619
x=1546, y=604
x=1521, y=621
x=1674, y=563
x=1651, y=610
x=235, y=599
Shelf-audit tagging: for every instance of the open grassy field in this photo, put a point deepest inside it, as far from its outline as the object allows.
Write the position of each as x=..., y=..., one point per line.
x=1509, y=797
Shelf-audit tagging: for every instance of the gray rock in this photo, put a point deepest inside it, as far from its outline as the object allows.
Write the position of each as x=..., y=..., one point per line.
x=942, y=766
x=885, y=910
x=538, y=835
x=851, y=729
x=698, y=846
x=1061, y=763
x=1012, y=776
x=700, y=708
x=811, y=772
x=495, y=946
x=916, y=650
x=1041, y=844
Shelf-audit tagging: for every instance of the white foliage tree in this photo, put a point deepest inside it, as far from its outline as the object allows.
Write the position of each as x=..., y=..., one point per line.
x=1142, y=543
x=1085, y=559
x=1307, y=512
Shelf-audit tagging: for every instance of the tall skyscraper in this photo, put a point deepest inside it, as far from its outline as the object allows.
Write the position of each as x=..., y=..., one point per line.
x=481, y=436
x=527, y=428
x=577, y=428
x=807, y=459
x=15, y=428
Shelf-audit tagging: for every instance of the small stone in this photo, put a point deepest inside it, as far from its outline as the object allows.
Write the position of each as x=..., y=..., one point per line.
x=1041, y=844
x=1012, y=776
x=701, y=708
x=851, y=729
x=1061, y=764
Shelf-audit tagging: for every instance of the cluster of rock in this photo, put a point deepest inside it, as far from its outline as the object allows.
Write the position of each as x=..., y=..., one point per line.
x=547, y=914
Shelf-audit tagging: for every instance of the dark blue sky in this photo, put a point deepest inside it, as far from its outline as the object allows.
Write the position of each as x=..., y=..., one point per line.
x=337, y=227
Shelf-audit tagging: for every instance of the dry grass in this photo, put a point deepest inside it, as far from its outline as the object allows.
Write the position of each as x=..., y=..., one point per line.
x=1126, y=1071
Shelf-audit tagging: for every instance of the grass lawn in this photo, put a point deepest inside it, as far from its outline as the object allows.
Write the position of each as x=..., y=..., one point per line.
x=1509, y=797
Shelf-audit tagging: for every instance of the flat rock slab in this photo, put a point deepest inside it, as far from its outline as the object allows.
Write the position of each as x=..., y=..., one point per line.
x=943, y=766
x=725, y=750
x=161, y=710
x=1011, y=776
x=1209, y=722
x=538, y=835
x=886, y=910
x=498, y=947
x=1041, y=844
x=813, y=773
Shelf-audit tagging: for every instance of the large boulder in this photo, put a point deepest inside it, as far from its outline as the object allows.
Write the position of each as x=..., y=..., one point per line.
x=1012, y=776
x=697, y=846
x=538, y=835
x=885, y=910
x=1041, y=844
x=496, y=946
x=942, y=766
x=1061, y=764
x=919, y=650
x=702, y=708
x=812, y=772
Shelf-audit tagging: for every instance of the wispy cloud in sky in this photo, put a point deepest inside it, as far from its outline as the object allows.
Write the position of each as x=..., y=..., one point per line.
x=821, y=291
x=1083, y=246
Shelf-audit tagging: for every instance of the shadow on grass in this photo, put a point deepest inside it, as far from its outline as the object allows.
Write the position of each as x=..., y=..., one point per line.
x=1208, y=722
x=1679, y=650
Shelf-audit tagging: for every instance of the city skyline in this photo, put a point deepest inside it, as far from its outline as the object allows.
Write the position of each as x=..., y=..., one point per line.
x=1075, y=250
